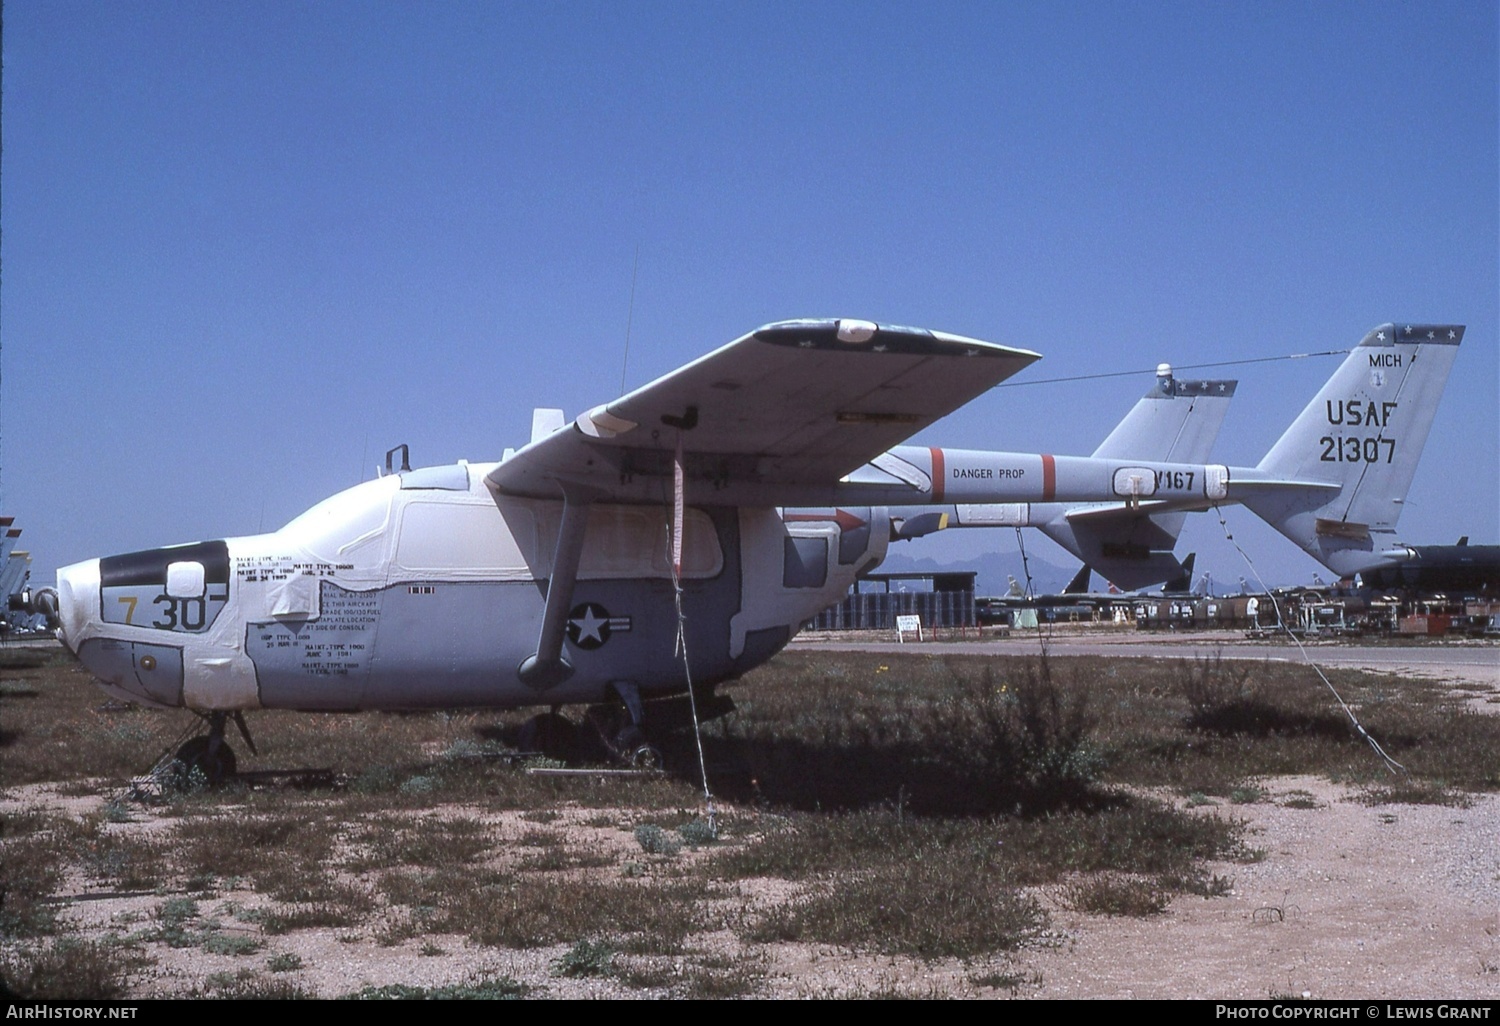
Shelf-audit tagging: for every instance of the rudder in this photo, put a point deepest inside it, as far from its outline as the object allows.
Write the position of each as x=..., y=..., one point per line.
x=1363, y=432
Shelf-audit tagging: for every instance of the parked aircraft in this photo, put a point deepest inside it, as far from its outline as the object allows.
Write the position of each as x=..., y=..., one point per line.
x=1176, y=421
x=1003, y=609
x=551, y=577
x=22, y=610
x=1076, y=595
x=1461, y=569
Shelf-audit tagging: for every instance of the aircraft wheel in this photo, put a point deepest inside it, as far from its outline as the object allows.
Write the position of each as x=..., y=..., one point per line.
x=552, y=734
x=216, y=768
x=644, y=757
x=635, y=751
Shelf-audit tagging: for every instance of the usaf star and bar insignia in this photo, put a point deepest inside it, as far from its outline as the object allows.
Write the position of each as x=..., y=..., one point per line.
x=590, y=625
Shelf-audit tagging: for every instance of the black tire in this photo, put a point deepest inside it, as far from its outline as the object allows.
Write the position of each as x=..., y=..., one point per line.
x=643, y=757
x=216, y=768
x=552, y=734
x=634, y=750
x=628, y=738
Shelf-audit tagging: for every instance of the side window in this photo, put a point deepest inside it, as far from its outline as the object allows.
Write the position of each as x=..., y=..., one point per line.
x=465, y=537
x=635, y=541
x=804, y=562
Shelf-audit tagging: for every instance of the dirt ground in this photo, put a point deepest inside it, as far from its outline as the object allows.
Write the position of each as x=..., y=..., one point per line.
x=1349, y=901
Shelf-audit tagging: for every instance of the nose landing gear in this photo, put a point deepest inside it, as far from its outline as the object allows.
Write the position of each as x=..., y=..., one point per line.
x=210, y=754
x=215, y=761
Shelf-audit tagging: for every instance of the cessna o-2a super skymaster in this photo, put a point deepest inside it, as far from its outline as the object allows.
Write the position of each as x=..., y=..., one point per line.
x=547, y=579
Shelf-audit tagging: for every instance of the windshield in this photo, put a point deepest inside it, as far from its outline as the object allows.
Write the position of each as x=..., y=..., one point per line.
x=338, y=524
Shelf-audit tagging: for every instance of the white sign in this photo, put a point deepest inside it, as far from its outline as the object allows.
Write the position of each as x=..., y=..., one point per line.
x=911, y=623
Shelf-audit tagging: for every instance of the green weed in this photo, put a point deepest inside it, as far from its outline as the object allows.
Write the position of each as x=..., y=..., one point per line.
x=285, y=962
x=586, y=958
x=655, y=841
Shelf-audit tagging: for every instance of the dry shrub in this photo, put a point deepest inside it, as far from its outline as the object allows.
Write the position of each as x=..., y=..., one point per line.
x=924, y=909
x=529, y=912
x=70, y=968
x=431, y=842
x=30, y=871
x=1111, y=894
x=886, y=881
x=290, y=843
x=940, y=737
x=1028, y=728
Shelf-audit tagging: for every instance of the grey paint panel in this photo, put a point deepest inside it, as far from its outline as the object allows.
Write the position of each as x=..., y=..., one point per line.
x=133, y=588
x=445, y=644
x=321, y=663
x=153, y=673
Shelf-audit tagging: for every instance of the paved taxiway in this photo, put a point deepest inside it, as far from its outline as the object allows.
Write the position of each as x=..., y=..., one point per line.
x=1468, y=662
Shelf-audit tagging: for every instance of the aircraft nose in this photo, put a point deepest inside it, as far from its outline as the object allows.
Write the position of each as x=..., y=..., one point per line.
x=77, y=602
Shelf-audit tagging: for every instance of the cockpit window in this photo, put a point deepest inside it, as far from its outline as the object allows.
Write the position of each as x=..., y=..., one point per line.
x=453, y=478
x=333, y=528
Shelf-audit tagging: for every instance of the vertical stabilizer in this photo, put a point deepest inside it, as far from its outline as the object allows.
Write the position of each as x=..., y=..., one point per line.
x=1177, y=422
x=1079, y=585
x=1183, y=583
x=1363, y=433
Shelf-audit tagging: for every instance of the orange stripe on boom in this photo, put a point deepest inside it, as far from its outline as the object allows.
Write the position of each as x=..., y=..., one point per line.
x=939, y=474
x=1049, y=478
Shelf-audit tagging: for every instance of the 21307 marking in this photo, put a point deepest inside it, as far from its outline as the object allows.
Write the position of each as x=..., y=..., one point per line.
x=1353, y=449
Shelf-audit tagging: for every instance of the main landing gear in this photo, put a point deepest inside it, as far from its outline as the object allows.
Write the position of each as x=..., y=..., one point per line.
x=630, y=745
x=618, y=727
x=622, y=727
x=210, y=755
x=552, y=734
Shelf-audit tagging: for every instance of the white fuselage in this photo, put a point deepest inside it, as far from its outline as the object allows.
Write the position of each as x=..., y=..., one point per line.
x=427, y=589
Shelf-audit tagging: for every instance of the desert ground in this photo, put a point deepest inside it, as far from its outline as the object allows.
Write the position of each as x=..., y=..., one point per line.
x=845, y=865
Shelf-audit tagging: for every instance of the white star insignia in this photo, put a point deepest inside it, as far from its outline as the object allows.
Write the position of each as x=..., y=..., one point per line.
x=1452, y=334
x=880, y=348
x=1408, y=329
x=806, y=343
x=1380, y=335
x=589, y=626
x=1432, y=334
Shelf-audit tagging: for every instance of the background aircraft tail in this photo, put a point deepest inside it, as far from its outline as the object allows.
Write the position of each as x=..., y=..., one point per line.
x=1176, y=422
x=1183, y=583
x=1359, y=439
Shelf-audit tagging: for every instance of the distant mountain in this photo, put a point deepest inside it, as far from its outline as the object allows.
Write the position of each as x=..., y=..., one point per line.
x=994, y=570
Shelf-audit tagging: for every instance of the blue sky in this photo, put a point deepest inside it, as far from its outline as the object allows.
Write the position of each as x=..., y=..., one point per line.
x=247, y=247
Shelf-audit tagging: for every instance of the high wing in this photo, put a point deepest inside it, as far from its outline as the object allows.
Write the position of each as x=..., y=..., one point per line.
x=790, y=405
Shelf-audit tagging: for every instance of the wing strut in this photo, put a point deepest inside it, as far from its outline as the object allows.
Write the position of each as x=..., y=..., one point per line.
x=547, y=667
